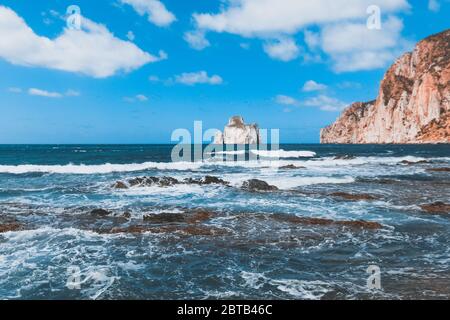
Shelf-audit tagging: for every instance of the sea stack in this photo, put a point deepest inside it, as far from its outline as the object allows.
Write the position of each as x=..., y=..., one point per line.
x=237, y=132
x=413, y=105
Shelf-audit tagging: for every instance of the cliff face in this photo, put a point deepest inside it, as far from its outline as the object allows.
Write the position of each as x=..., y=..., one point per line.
x=413, y=105
x=237, y=132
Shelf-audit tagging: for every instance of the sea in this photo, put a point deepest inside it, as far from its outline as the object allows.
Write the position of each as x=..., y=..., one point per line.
x=338, y=222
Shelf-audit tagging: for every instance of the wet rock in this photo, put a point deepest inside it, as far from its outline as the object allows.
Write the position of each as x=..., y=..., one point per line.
x=127, y=215
x=100, y=213
x=120, y=185
x=7, y=227
x=291, y=167
x=436, y=207
x=258, y=185
x=163, y=218
x=200, y=216
x=410, y=163
x=151, y=181
x=193, y=230
x=439, y=170
x=353, y=197
x=206, y=181
x=358, y=224
x=344, y=157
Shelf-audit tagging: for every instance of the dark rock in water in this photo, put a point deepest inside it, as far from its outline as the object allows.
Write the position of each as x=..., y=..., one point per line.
x=439, y=170
x=197, y=216
x=151, y=181
x=258, y=185
x=100, y=212
x=191, y=230
x=360, y=224
x=344, y=157
x=353, y=197
x=206, y=180
x=200, y=216
x=7, y=227
x=291, y=167
x=437, y=208
x=120, y=185
x=162, y=218
x=410, y=163
x=126, y=215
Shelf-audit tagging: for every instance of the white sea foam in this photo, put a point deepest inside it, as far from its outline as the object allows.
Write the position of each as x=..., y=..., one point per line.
x=284, y=154
x=327, y=162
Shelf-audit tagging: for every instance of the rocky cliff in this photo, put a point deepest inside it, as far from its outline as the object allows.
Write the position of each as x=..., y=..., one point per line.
x=413, y=105
x=237, y=132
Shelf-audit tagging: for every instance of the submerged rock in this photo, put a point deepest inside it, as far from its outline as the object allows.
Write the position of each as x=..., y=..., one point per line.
x=190, y=230
x=439, y=170
x=437, y=207
x=344, y=157
x=353, y=197
x=291, y=167
x=410, y=163
x=360, y=224
x=258, y=185
x=100, y=213
x=7, y=227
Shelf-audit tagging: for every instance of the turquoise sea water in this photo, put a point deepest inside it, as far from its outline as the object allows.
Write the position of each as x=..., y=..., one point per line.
x=246, y=245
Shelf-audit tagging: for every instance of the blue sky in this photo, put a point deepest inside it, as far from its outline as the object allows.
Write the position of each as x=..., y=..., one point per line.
x=139, y=69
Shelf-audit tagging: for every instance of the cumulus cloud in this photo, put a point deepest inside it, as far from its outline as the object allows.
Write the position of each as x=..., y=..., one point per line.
x=325, y=103
x=283, y=49
x=352, y=46
x=311, y=85
x=196, y=39
x=50, y=94
x=283, y=19
x=44, y=93
x=155, y=10
x=286, y=100
x=138, y=98
x=93, y=51
x=200, y=77
x=274, y=17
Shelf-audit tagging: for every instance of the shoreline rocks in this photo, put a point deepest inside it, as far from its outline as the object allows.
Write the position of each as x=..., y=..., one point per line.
x=257, y=185
x=436, y=208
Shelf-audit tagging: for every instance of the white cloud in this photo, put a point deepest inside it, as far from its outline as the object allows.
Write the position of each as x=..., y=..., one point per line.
x=200, y=77
x=325, y=103
x=283, y=49
x=286, y=100
x=136, y=98
x=44, y=93
x=353, y=47
x=284, y=19
x=72, y=93
x=155, y=9
x=15, y=90
x=433, y=5
x=196, y=39
x=266, y=18
x=154, y=78
x=245, y=45
x=49, y=94
x=93, y=51
x=141, y=98
x=311, y=85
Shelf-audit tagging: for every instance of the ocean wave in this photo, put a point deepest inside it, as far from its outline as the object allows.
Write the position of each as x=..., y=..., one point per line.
x=190, y=166
x=284, y=154
x=270, y=153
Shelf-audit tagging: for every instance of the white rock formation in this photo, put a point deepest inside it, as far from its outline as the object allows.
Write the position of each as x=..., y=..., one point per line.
x=237, y=132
